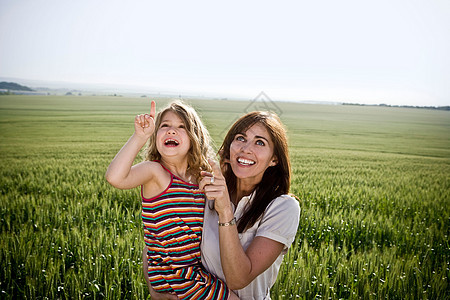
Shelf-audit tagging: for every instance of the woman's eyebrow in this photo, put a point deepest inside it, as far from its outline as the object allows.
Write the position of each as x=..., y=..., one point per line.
x=261, y=137
x=256, y=136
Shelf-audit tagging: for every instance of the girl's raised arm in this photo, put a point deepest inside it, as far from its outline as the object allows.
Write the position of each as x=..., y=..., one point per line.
x=121, y=173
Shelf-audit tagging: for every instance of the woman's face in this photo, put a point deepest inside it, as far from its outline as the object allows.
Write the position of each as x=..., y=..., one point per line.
x=251, y=153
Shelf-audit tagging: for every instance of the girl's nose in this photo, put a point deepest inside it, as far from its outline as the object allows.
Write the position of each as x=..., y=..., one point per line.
x=171, y=130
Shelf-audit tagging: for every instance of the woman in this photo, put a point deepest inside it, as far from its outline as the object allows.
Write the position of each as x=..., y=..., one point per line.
x=250, y=219
x=254, y=220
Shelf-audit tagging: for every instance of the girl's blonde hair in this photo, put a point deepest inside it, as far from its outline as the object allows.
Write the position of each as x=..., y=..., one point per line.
x=200, y=149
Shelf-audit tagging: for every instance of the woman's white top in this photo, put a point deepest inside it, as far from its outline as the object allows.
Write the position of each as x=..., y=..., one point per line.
x=279, y=223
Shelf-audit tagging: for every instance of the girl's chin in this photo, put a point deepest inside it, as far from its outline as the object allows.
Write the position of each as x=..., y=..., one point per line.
x=172, y=153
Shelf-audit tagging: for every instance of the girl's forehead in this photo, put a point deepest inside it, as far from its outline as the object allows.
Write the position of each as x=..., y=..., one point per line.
x=170, y=116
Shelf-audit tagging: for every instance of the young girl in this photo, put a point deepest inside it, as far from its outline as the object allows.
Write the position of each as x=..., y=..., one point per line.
x=172, y=204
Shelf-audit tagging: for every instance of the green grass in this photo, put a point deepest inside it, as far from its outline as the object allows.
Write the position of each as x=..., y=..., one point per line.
x=373, y=184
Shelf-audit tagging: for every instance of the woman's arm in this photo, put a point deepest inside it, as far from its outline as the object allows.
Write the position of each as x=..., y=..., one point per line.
x=240, y=267
x=121, y=173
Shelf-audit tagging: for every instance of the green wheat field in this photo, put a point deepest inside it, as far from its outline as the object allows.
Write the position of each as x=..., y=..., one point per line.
x=373, y=184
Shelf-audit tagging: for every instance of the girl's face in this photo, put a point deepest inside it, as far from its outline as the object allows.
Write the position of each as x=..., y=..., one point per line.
x=251, y=153
x=172, y=138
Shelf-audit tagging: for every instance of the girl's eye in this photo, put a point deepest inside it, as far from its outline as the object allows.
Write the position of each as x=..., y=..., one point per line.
x=182, y=126
x=260, y=143
x=240, y=138
x=163, y=125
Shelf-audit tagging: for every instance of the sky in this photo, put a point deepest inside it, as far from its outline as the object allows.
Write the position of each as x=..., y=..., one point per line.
x=370, y=52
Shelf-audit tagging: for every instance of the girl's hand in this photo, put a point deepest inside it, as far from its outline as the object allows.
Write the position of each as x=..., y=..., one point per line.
x=215, y=188
x=144, y=124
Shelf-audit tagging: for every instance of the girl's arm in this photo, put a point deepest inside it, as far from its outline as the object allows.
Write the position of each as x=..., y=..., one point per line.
x=240, y=267
x=121, y=173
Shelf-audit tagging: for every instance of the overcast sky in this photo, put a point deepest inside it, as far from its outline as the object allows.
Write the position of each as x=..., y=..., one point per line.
x=384, y=51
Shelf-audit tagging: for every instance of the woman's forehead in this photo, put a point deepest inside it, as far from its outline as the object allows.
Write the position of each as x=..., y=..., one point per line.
x=257, y=129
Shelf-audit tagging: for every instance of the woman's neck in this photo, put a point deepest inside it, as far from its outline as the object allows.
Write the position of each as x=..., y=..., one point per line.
x=243, y=189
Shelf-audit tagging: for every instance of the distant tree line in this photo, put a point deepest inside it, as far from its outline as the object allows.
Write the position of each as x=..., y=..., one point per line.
x=403, y=106
x=12, y=86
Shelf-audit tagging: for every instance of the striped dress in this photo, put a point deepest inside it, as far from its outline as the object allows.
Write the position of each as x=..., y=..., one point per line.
x=173, y=224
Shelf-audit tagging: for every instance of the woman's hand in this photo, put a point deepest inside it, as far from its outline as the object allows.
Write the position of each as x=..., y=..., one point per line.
x=162, y=296
x=216, y=189
x=154, y=294
x=144, y=124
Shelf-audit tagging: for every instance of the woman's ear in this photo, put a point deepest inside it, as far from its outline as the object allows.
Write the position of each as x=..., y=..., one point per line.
x=273, y=162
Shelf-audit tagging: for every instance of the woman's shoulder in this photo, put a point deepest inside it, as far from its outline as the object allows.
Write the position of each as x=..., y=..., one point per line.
x=280, y=220
x=288, y=200
x=285, y=203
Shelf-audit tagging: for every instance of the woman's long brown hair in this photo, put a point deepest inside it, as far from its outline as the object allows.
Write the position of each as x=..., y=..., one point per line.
x=276, y=180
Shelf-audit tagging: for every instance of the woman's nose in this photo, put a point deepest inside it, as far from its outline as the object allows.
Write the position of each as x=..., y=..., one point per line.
x=246, y=147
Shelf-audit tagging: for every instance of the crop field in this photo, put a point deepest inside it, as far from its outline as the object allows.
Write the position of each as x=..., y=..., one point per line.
x=373, y=185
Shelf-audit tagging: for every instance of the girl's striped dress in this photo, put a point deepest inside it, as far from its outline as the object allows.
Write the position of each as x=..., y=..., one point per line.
x=173, y=224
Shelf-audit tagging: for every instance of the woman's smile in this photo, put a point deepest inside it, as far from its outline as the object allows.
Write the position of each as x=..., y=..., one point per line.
x=251, y=153
x=245, y=162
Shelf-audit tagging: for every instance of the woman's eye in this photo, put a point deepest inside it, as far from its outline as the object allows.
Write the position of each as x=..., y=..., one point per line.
x=240, y=138
x=260, y=143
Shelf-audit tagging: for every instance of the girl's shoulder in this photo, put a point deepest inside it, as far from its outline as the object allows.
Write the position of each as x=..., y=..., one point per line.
x=152, y=168
x=153, y=163
x=159, y=179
